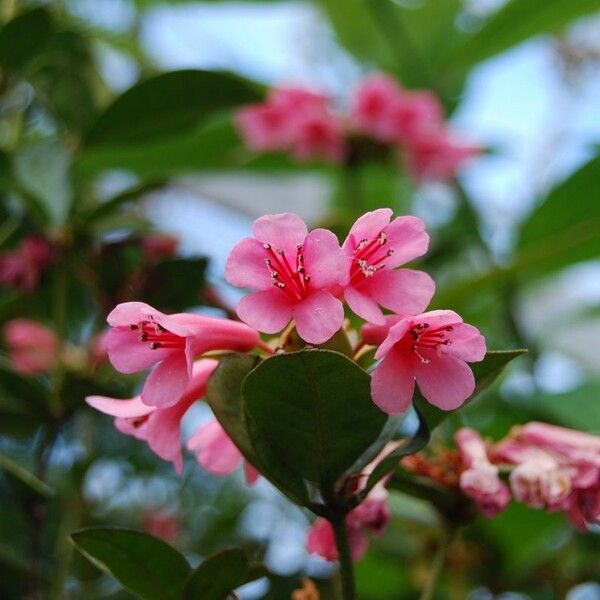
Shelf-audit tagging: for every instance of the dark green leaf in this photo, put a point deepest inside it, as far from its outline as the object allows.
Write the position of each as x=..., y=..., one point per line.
x=565, y=228
x=224, y=395
x=217, y=576
x=26, y=390
x=23, y=37
x=23, y=476
x=314, y=409
x=168, y=104
x=141, y=563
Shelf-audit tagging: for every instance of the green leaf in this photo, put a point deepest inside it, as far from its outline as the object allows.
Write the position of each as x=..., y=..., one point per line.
x=217, y=576
x=141, y=563
x=224, y=396
x=23, y=476
x=168, y=104
x=23, y=37
x=314, y=409
x=565, y=228
x=486, y=372
x=514, y=23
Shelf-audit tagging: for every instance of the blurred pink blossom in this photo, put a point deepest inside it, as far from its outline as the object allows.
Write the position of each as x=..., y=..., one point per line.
x=375, y=247
x=294, y=273
x=32, y=346
x=217, y=453
x=432, y=348
x=23, y=267
x=142, y=336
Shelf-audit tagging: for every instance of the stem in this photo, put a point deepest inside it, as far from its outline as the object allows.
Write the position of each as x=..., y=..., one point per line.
x=437, y=566
x=338, y=522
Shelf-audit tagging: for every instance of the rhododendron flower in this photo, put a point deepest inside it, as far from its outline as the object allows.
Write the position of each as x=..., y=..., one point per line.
x=372, y=516
x=142, y=336
x=432, y=348
x=162, y=524
x=413, y=115
x=217, y=453
x=438, y=155
x=23, y=267
x=263, y=127
x=317, y=134
x=32, y=346
x=480, y=480
x=159, y=427
x=375, y=247
x=294, y=273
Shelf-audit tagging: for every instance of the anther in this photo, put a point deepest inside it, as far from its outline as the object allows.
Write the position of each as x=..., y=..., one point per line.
x=266, y=246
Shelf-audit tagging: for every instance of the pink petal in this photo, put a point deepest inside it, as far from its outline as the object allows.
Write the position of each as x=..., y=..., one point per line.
x=246, y=266
x=467, y=343
x=367, y=227
x=268, y=311
x=359, y=543
x=163, y=433
x=395, y=334
x=439, y=318
x=375, y=334
x=252, y=474
x=126, y=409
x=283, y=231
x=321, y=540
x=325, y=262
x=167, y=381
x=318, y=317
x=393, y=383
x=445, y=382
x=364, y=306
x=126, y=313
x=404, y=291
x=408, y=238
x=214, y=449
x=128, y=355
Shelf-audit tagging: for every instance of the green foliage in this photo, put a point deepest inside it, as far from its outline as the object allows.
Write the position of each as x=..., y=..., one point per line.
x=141, y=563
x=168, y=104
x=314, y=409
x=23, y=477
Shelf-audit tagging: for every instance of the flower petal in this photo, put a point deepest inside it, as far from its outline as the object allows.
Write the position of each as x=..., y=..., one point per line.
x=445, y=382
x=367, y=227
x=395, y=334
x=268, y=311
x=318, y=317
x=252, y=474
x=128, y=313
x=403, y=291
x=393, y=383
x=163, y=433
x=283, y=231
x=127, y=409
x=325, y=262
x=408, y=238
x=375, y=334
x=439, y=318
x=214, y=449
x=467, y=343
x=364, y=306
x=245, y=266
x=128, y=355
x=167, y=381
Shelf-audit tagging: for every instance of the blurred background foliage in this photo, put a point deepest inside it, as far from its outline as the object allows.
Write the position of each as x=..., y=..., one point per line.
x=115, y=123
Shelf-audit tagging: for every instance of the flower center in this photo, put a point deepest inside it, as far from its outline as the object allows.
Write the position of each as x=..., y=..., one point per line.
x=291, y=279
x=369, y=257
x=151, y=332
x=425, y=338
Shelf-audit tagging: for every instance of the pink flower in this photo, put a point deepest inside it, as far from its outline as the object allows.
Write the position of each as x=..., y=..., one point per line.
x=372, y=106
x=294, y=99
x=372, y=516
x=480, y=480
x=159, y=427
x=375, y=247
x=32, y=346
x=217, y=453
x=432, y=348
x=413, y=115
x=294, y=273
x=317, y=134
x=162, y=524
x=142, y=336
x=23, y=267
x=263, y=127
x=437, y=155
x=158, y=246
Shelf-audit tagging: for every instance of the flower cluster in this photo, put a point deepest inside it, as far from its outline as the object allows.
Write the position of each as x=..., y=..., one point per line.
x=306, y=125
x=306, y=276
x=301, y=277
x=22, y=268
x=540, y=465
